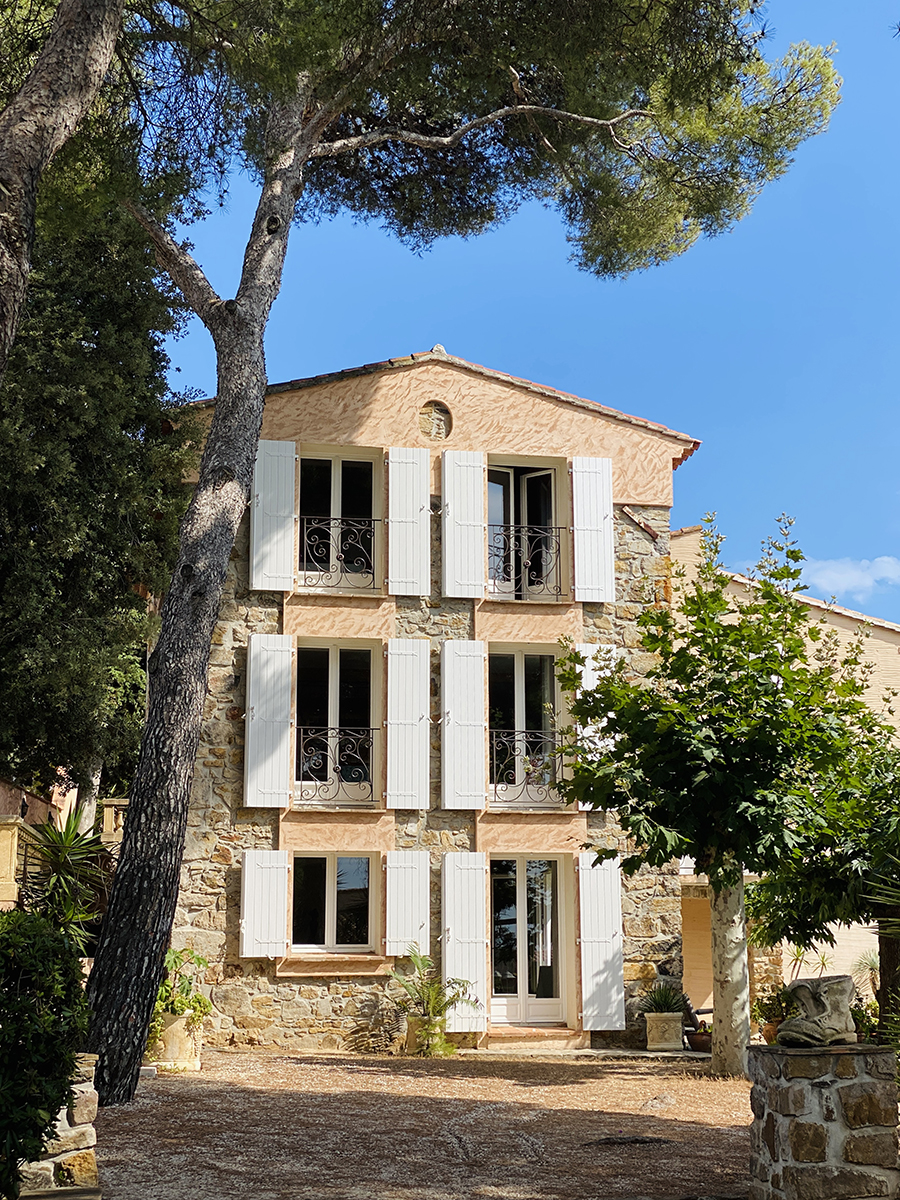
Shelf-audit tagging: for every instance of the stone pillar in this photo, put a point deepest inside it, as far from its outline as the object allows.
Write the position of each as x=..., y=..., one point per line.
x=9, y=839
x=69, y=1160
x=824, y=1123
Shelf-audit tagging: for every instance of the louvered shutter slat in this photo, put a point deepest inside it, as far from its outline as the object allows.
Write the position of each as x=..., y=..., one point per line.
x=267, y=749
x=264, y=903
x=463, y=760
x=602, y=971
x=408, y=726
x=407, y=901
x=464, y=942
x=592, y=511
x=272, y=511
x=463, y=529
x=409, y=522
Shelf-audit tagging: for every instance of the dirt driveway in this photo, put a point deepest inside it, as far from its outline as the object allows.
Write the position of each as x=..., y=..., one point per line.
x=275, y=1127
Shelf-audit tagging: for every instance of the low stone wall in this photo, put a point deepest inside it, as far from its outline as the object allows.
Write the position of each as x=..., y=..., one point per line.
x=70, y=1160
x=825, y=1123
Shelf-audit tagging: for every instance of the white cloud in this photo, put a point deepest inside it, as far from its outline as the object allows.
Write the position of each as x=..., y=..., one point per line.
x=853, y=578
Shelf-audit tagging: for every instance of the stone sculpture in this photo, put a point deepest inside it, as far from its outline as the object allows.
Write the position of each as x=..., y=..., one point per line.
x=826, y=1019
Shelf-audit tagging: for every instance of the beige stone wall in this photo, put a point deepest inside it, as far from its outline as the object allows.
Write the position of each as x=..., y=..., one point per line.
x=299, y=1004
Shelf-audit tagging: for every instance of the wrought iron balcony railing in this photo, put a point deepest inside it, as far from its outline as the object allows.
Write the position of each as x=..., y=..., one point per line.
x=334, y=766
x=524, y=767
x=338, y=552
x=524, y=561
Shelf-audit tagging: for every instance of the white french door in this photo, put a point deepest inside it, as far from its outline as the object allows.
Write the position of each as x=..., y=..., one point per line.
x=526, y=959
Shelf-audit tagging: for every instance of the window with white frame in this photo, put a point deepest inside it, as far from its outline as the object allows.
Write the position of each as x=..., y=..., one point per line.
x=525, y=534
x=522, y=704
x=338, y=533
x=335, y=725
x=332, y=902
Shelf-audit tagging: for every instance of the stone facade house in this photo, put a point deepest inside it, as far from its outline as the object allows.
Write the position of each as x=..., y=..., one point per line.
x=376, y=764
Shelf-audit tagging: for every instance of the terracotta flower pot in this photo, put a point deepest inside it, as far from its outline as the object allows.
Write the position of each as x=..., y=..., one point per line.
x=700, y=1041
x=770, y=1032
x=664, y=1031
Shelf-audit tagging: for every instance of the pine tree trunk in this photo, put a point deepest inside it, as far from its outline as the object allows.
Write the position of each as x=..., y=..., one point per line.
x=61, y=87
x=731, y=985
x=129, y=963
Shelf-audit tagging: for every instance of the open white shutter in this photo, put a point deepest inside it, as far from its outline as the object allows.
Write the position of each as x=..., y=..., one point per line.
x=272, y=508
x=592, y=511
x=602, y=972
x=264, y=903
x=590, y=673
x=464, y=940
x=407, y=901
x=408, y=726
x=463, y=527
x=409, y=523
x=267, y=748
x=463, y=705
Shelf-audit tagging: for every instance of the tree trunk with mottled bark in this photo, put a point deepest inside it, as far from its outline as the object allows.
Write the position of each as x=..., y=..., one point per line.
x=44, y=114
x=731, y=984
x=129, y=963
x=88, y=794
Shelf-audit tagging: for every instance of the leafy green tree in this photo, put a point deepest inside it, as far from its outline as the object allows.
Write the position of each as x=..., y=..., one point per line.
x=42, y=1031
x=644, y=124
x=831, y=874
x=743, y=730
x=91, y=469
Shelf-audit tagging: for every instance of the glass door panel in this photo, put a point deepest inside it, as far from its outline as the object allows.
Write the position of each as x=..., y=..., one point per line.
x=525, y=952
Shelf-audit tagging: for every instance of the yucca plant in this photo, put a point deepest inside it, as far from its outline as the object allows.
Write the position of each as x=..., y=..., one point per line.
x=662, y=998
x=72, y=876
x=429, y=999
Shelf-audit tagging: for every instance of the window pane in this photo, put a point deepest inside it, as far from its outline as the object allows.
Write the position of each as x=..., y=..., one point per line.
x=354, y=689
x=312, y=686
x=539, y=499
x=504, y=938
x=356, y=489
x=498, y=497
x=502, y=691
x=309, y=902
x=315, y=487
x=538, y=690
x=543, y=957
x=352, y=928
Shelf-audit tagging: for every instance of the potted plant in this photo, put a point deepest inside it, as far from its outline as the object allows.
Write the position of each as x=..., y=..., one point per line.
x=176, y=1029
x=700, y=1039
x=426, y=1002
x=663, y=1005
x=770, y=1008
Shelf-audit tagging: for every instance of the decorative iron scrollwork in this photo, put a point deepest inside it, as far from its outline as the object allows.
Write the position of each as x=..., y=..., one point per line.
x=337, y=552
x=524, y=766
x=524, y=561
x=334, y=766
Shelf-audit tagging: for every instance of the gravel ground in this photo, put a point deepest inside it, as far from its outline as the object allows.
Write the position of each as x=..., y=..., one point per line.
x=277, y=1127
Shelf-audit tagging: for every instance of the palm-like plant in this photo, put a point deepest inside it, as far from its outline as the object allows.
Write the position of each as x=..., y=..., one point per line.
x=430, y=998
x=72, y=876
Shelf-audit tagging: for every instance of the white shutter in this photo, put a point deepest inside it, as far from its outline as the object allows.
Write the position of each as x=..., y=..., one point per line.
x=267, y=749
x=409, y=523
x=463, y=705
x=592, y=511
x=272, y=509
x=602, y=972
x=590, y=673
x=408, y=726
x=463, y=529
x=407, y=901
x=464, y=940
x=264, y=903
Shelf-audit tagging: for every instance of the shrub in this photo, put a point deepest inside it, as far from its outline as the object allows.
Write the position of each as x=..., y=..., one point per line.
x=662, y=998
x=429, y=999
x=178, y=994
x=43, y=1023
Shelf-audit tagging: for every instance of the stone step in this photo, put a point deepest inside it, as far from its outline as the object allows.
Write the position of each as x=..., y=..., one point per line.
x=536, y=1037
x=63, y=1193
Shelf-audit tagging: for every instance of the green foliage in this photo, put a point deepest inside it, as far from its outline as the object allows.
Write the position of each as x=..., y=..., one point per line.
x=91, y=464
x=178, y=993
x=864, y=1012
x=429, y=998
x=74, y=872
x=42, y=1028
x=661, y=997
x=776, y=1004
x=741, y=738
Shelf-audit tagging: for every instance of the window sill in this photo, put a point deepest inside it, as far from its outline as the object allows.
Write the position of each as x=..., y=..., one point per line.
x=326, y=964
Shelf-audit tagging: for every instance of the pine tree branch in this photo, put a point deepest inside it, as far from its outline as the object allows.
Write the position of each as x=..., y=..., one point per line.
x=424, y=141
x=184, y=270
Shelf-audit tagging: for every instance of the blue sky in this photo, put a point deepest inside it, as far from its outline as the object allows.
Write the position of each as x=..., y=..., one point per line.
x=775, y=344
